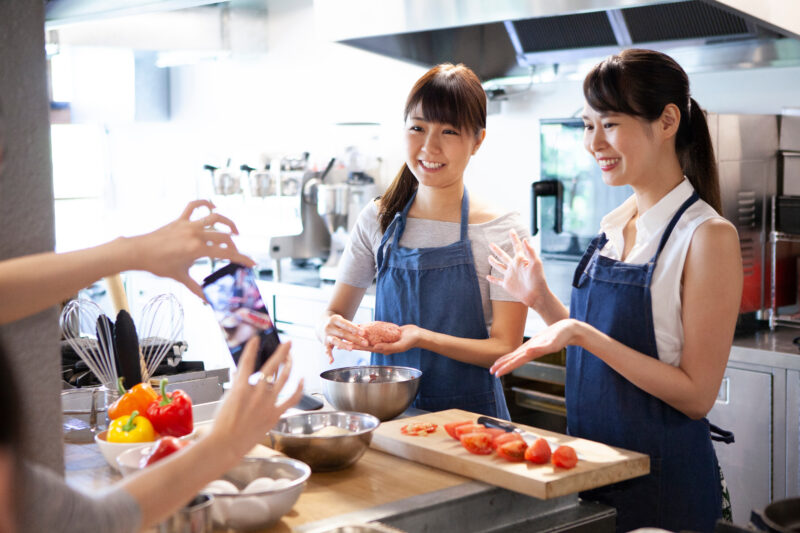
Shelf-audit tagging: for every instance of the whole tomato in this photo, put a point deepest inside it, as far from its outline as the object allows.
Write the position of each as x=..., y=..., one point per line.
x=565, y=457
x=538, y=452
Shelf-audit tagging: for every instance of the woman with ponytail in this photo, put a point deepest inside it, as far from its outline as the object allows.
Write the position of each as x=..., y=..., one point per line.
x=426, y=241
x=655, y=297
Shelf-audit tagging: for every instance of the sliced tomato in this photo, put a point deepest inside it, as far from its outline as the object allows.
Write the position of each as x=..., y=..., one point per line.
x=479, y=443
x=505, y=437
x=538, y=452
x=470, y=428
x=451, y=427
x=513, y=450
x=416, y=429
x=495, y=432
x=565, y=457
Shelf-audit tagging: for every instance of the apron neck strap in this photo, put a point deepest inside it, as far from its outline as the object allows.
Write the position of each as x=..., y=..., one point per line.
x=667, y=232
x=465, y=216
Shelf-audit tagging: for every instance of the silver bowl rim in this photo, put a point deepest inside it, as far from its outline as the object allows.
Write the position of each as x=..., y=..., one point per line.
x=413, y=370
x=300, y=465
x=364, y=431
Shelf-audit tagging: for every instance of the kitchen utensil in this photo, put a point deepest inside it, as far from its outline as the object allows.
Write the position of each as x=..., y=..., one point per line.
x=126, y=344
x=80, y=322
x=382, y=391
x=781, y=516
x=84, y=412
x=305, y=437
x=601, y=464
x=261, y=509
x=527, y=436
x=261, y=182
x=194, y=517
x=160, y=328
x=224, y=180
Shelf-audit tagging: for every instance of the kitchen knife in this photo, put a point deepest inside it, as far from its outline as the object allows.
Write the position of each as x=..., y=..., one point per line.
x=127, y=344
x=508, y=427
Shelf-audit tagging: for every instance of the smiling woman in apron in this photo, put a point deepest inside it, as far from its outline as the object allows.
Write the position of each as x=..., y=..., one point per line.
x=420, y=240
x=655, y=297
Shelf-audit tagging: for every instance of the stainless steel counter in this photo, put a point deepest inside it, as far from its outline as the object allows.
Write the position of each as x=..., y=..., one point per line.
x=768, y=348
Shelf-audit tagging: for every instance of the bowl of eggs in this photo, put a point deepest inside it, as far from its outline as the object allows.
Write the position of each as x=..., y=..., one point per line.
x=257, y=492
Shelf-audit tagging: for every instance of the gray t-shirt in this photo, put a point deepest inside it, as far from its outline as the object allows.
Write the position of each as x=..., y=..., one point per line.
x=358, y=266
x=49, y=504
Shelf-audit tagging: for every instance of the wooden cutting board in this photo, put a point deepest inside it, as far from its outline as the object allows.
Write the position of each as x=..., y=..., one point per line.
x=598, y=464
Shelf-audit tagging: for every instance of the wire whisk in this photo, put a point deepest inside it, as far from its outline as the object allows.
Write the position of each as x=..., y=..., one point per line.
x=90, y=333
x=160, y=329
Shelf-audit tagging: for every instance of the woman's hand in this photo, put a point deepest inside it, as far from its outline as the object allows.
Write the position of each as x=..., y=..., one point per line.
x=551, y=339
x=250, y=410
x=409, y=338
x=343, y=334
x=170, y=250
x=523, y=274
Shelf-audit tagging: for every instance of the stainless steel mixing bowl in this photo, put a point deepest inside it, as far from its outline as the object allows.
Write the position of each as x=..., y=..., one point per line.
x=382, y=391
x=297, y=436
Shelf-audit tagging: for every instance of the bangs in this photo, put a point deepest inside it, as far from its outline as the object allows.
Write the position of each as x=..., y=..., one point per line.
x=604, y=89
x=444, y=99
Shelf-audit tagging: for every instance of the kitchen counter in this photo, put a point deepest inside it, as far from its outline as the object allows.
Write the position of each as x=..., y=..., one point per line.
x=394, y=491
x=768, y=348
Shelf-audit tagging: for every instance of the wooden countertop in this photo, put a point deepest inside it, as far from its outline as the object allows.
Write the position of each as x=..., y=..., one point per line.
x=376, y=479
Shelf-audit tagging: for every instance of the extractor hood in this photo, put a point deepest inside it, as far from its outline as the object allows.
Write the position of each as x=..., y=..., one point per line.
x=506, y=37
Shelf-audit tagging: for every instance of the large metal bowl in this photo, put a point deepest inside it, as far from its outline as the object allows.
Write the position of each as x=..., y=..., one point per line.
x=382, y=391
x=295, y=436
x=262, y=509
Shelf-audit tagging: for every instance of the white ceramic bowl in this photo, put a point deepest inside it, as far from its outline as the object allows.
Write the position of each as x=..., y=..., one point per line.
x=262, y=509
x=112, y=450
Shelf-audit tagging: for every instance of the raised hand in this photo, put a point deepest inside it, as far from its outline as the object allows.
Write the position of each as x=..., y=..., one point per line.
x=170, y=250
x=523, y=275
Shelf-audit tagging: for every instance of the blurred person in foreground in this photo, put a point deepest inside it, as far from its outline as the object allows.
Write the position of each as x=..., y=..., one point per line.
x=36, y=499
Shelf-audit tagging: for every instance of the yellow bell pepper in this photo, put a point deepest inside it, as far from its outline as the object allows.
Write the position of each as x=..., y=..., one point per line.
x=131, y=428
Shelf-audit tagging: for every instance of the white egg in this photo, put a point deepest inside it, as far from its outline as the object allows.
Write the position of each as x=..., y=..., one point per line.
x=247, y=511
x=220, y=486
x=260, y=484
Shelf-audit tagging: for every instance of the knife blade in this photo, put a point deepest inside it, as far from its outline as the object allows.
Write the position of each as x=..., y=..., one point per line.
x=527, y=436
x=508, y=427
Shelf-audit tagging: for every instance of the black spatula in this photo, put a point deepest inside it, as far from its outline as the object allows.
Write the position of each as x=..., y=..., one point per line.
x=127, y=344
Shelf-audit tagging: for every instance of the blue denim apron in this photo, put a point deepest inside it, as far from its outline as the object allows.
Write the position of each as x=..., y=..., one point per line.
x=682, y=490
x=437, y=289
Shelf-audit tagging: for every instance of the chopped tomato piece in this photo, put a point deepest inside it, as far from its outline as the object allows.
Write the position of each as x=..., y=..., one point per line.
x=470, y=428
x=479, y=443
x=505, y=437
x=538, y=452
x=513, y=450
x=416, y=429
x=451, y=427
x=495, y=432
x=565, y=457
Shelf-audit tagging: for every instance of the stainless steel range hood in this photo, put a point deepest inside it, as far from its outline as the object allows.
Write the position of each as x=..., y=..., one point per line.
x=506, y=37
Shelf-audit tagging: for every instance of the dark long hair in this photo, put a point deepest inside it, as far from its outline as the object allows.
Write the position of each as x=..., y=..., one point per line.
x=450, y=94
x=641, y=83
x=11, y=427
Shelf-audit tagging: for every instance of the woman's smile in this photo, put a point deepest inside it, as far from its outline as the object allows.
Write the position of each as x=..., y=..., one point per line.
x=431, y=166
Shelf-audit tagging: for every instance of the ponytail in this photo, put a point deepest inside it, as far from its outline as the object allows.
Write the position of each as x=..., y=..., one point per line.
x=696, y=155
x=396, y=196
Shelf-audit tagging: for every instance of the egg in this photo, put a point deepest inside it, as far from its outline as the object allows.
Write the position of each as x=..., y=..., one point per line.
x=220, y=508
x=261, y=484
x=220, y=486
x=246, y=511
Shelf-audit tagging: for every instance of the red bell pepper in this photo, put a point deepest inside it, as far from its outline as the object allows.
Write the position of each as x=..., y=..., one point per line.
x=171, y=413
x=163, y=447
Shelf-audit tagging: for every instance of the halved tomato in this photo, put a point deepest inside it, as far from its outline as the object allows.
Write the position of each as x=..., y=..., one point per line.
x=505, y=437
x=451, y=427
x=470, y=428
x=565, y=457
x=495, y=432
x=479, y=443
x=513, y=450
x=538, y=452
x=416, y=429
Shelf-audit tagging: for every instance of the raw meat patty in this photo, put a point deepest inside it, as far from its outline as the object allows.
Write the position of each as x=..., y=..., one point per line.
x=378, y=332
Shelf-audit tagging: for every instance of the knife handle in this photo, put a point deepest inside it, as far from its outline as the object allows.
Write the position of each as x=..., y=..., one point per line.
x=494, y=423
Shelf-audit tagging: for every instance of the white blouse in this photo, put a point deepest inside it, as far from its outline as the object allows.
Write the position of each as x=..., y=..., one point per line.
x=665, y=290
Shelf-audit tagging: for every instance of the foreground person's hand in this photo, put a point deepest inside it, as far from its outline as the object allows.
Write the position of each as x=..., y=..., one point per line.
x=170, y=250
x=251, y=410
